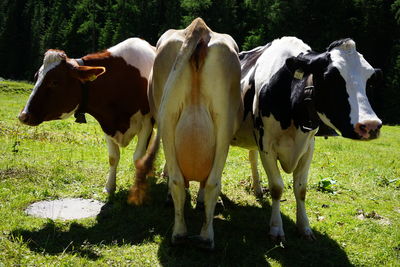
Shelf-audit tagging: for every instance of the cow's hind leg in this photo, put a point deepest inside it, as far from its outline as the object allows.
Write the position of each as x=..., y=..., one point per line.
x=178, y=193
x=212, y=190
x=176, y=181
x=113, y=159
x=276, y=188
x=300, y=188
x=200, y=197
x=253, y=156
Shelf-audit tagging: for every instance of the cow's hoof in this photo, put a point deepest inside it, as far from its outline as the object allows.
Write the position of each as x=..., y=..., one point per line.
x=277, y=239
x=109, y=190
x=277, y=235
x=179, y=240
x=200, y=206
x=261, y=192
x=205, y=244
x=308, y=235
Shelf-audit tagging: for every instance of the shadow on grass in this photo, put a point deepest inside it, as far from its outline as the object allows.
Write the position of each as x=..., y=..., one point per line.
x=240, y=235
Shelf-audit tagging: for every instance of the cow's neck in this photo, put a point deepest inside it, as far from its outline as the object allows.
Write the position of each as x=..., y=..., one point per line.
x=113, y=102
x=304, y=112
x=289, y=100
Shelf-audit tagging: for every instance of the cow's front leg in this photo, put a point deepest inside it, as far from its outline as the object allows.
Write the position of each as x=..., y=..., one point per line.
x=300, y=188
x=113, y=159
x=276, y=189
x=253, y=156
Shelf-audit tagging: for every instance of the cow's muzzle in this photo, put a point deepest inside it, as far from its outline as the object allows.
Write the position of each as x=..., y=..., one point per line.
x=28, y=119
x=368, y=130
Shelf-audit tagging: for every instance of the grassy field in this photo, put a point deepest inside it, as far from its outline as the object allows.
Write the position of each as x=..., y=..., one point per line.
x=353, y=203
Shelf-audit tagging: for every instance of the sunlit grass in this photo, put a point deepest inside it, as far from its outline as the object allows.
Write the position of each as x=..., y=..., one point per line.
x=63, y=159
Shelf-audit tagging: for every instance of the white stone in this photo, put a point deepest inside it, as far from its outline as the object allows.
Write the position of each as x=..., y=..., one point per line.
x=65, y=209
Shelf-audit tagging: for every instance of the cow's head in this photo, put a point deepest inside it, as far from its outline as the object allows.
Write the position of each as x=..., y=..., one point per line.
x=340, y=77
x=58, y=88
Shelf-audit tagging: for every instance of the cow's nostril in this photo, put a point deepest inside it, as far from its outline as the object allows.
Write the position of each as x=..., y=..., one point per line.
x=379, y=126
x=363, y=127
x=23, y=117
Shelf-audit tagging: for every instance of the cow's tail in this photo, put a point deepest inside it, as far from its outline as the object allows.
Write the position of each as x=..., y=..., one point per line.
x=196, y=34
x=138, y=192
x=197, y=37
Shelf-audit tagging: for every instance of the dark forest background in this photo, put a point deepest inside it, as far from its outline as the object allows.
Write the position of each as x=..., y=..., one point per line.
x=29, y=27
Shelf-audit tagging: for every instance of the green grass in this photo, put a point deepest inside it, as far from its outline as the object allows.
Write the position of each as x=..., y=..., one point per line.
x=356, y=224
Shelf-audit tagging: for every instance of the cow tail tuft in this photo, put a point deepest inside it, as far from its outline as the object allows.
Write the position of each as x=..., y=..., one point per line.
x=138, y=192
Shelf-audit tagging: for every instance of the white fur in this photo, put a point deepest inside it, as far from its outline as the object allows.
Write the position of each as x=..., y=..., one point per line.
x=273, y=59
x=355, y=70
x=141, y=126
x=51, y=60
x=137, y=53
x=68, y=114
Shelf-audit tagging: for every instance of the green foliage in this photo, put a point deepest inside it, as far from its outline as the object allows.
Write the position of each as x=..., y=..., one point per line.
x=327, y=185
x=396, y=10
x=29, y=27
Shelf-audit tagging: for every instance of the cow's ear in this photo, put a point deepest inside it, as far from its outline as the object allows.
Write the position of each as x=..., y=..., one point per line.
x=296, y=63
x=88, y=73
x=375, y=80
x=319, y=62
x=311, y=62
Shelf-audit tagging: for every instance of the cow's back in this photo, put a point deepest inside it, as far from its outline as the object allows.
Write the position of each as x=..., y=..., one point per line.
x=137, y=53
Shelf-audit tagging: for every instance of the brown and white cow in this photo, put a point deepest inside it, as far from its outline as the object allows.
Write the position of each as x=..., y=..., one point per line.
x=110, y=85
x=195, y=92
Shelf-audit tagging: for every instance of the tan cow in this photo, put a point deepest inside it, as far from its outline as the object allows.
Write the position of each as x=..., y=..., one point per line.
x=195, y=94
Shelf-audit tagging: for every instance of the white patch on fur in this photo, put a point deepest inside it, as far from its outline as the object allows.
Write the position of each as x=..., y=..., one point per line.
x=272, y=59
x=51, y=60
x=137, y=53
x=355, y=70
x=327, y=121
x=123, y=139
x=68, y=114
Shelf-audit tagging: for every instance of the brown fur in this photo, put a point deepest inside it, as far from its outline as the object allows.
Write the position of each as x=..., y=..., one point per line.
x=303, y=192
x=113, y=97
x=98, y=55
x=116, y=95
x=276, y=192
x=138, y=192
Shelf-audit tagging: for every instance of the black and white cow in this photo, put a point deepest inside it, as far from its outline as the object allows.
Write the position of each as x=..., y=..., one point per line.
x=287, y=89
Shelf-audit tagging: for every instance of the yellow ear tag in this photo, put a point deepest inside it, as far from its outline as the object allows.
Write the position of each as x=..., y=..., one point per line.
x=298, y=74
x=92, y=78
